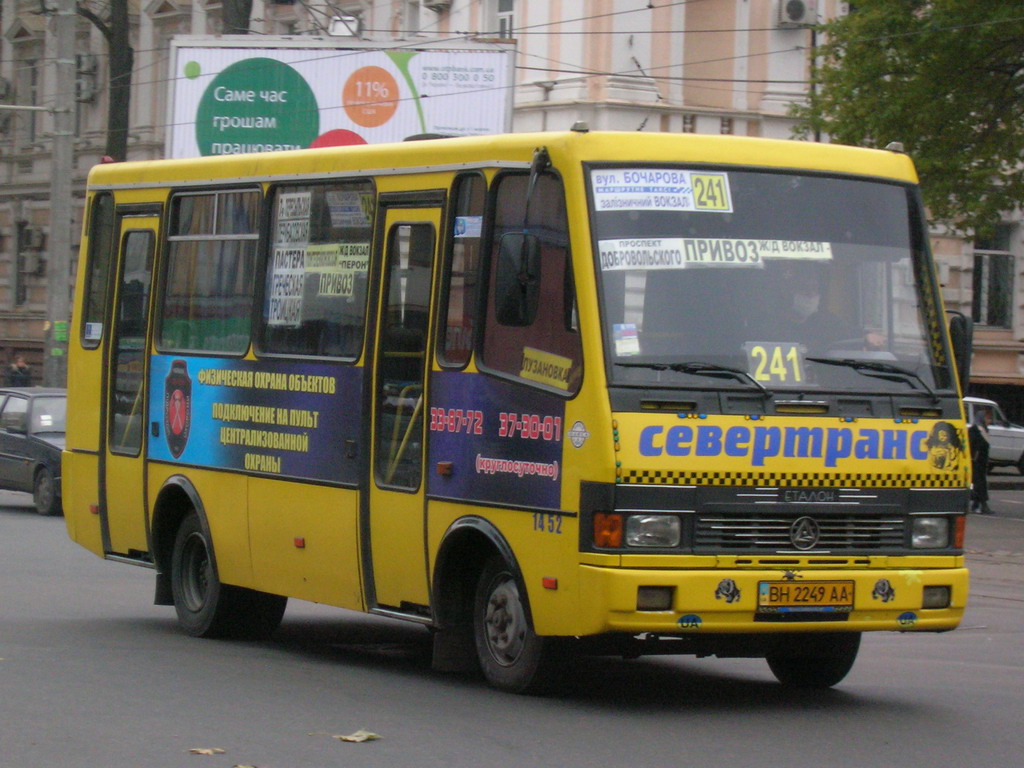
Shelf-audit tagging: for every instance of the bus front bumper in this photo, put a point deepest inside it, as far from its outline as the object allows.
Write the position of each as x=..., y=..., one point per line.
x=661, y=601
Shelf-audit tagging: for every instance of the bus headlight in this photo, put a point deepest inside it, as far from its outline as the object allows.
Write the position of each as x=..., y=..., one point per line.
x=653, y=531
x=930, y=533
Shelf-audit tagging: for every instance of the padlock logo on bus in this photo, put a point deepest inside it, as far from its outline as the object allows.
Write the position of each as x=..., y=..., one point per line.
x=177, y=407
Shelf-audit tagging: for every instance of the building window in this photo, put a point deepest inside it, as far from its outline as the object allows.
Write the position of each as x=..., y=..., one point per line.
x=689, y=123
x=29, y=88
x=503, y=13
x=992, y=301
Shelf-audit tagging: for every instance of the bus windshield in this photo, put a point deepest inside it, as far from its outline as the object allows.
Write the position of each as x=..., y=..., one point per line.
x=731, y=278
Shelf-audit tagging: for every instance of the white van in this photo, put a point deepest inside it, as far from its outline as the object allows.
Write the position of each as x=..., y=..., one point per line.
x=1006, y=440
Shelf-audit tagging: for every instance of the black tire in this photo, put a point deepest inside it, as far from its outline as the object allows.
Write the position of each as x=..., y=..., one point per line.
x=512, y=657
x=44, y=493
x=207, y=608
x=1020, y=465
x=814, y=661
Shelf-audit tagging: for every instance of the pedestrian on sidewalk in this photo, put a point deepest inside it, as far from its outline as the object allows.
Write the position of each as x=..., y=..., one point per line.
x=977, y=439
x=19, y=374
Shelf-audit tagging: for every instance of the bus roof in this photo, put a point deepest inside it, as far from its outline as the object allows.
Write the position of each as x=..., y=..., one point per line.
x=509, y=149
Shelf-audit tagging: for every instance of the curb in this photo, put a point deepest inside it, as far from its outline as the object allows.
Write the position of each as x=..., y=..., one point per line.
x=1006, y=482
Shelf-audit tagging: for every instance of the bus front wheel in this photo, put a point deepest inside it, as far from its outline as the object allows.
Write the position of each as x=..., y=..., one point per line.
x=814, y=661
x=512, y=656
x=205, y=606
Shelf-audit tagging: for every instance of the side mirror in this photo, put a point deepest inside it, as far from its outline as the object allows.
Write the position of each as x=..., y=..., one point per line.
x=517, y=279
x=961, y=335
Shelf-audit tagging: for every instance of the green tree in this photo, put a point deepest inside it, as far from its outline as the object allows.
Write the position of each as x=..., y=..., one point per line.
x=114, y=25
x=236, y=15
x=945, y=78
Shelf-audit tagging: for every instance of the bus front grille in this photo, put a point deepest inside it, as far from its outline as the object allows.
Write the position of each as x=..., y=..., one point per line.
x=775, y=533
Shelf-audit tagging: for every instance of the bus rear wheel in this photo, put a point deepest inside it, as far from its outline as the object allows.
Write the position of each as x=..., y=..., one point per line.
x=512, y=656
x=814, y=661
x=205, y=606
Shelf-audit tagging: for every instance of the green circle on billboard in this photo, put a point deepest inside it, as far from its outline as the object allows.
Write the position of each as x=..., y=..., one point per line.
x=256, y=105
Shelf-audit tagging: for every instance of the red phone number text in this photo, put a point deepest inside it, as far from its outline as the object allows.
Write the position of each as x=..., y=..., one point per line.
x=456, y=420
x=530, y=426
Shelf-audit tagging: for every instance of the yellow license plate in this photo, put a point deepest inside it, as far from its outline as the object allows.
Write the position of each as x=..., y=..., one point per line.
x=791, y=596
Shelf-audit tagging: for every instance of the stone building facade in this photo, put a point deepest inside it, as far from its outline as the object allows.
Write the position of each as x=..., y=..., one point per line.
x=719, y=66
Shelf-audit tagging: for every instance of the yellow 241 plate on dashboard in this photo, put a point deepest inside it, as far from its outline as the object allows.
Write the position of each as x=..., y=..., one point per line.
x=789, y=596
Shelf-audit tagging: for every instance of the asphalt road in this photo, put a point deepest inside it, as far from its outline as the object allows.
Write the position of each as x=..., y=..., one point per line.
x=93, y=675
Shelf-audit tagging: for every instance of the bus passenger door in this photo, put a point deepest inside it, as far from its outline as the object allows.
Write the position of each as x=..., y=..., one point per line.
x=122, y=487
x=397, y=573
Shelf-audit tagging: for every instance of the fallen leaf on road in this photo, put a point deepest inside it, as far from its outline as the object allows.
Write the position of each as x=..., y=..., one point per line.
x=360, y=735
x=206, y=751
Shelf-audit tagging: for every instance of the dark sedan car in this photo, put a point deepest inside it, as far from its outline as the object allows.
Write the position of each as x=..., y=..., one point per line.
x=31, y=439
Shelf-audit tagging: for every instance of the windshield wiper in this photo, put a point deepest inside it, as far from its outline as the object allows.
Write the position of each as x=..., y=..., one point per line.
x=703, y=369
x=879, y=370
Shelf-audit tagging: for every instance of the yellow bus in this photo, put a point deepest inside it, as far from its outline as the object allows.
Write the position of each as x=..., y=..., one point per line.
x=584, y=392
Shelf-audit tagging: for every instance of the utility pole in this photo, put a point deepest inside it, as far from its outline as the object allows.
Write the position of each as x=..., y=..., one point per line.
x=58, y=304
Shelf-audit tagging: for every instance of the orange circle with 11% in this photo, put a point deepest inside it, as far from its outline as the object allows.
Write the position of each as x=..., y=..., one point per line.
x=370, y=96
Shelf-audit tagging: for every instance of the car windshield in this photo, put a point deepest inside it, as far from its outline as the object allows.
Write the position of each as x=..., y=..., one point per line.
x=736, y=278
x=49, y=414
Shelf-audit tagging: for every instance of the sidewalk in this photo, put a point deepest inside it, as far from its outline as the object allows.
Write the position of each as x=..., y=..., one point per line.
x=995, y=557
x=1005, y=479
x=995, y=544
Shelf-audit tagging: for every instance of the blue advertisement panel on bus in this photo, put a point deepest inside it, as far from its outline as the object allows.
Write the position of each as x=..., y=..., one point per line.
x=503, y=442
x=265, y=417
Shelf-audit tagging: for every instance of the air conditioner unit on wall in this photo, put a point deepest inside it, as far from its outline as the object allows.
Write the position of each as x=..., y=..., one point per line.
x=344, y=26
x=797, y=13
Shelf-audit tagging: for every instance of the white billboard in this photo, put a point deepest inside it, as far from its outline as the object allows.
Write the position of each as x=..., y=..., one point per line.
x=289, y=93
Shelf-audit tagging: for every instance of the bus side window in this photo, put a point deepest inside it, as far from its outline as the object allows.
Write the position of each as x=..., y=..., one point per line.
x=543, y=345
x=410, y=252
x=101, y=254
x=129, y=326
x=317, y=269
x=206, y=300
x=462, y=265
